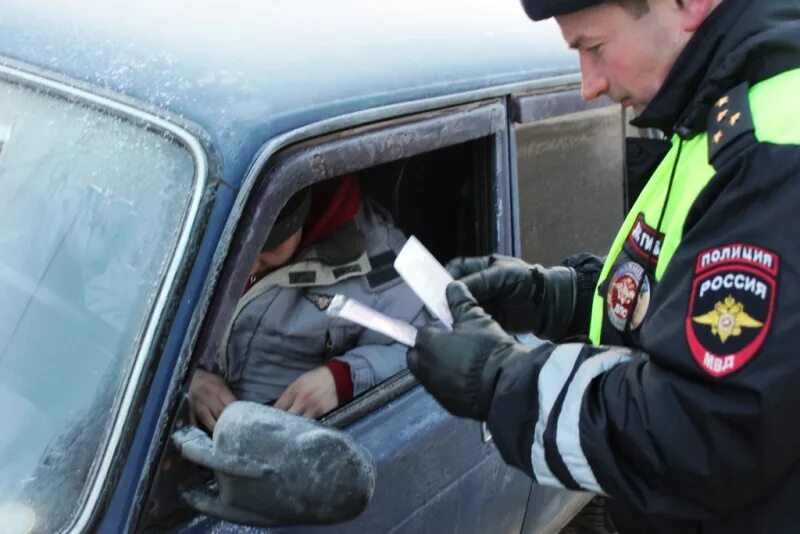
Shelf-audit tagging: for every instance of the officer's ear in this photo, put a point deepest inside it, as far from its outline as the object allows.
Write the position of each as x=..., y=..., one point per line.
x=695, y=12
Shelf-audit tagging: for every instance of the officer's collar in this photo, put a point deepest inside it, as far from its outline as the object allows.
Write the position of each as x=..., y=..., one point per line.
x=713, y=59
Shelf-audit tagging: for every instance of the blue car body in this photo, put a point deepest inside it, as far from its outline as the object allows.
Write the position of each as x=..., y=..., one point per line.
x=236, y=83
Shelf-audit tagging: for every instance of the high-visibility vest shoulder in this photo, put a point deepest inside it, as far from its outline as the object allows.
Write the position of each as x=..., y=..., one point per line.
x=769, y=112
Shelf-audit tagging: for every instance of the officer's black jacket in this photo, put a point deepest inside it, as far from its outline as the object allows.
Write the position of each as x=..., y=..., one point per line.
x=677, y=449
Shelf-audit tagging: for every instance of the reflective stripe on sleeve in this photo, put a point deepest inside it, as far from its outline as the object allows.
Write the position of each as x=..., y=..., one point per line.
x=552, y=379
x=568, y=439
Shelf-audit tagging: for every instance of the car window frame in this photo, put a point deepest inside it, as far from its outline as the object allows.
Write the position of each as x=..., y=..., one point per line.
x=118, y=432
x=318, y=158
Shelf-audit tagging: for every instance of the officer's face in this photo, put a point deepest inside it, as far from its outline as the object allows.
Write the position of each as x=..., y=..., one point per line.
x=626, y=55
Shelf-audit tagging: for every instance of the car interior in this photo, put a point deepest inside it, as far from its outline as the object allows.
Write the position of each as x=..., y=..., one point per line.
x=438, y=196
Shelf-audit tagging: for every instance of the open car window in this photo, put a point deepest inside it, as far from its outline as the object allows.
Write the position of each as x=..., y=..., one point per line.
x=431, y=173
x=92, y=208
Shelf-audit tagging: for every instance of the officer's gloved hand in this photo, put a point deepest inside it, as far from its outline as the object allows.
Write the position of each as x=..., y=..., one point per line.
x=460, y=368
x=520, y=296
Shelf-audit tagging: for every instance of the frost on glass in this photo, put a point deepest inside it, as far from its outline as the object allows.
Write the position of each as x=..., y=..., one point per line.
x=90, y=211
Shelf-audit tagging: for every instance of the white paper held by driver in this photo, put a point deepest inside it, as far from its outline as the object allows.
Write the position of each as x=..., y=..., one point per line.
x=426, y=277
x=352, y=310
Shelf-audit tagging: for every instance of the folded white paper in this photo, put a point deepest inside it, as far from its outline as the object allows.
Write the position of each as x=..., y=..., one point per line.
x=426, y=277
x=352, y=310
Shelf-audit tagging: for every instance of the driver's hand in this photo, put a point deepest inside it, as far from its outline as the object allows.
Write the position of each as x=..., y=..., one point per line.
x=208, y=397
x=312, y=394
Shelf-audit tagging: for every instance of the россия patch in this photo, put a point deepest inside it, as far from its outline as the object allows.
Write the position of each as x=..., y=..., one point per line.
x=731, y=306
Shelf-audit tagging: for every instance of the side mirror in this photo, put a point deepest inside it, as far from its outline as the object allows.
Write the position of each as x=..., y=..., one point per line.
x=273, y=468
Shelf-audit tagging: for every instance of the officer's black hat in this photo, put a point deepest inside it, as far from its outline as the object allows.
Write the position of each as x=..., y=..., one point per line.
x=290, y=219
x=544, y=9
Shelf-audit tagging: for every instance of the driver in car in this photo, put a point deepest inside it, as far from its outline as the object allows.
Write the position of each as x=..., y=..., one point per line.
x=281, y=347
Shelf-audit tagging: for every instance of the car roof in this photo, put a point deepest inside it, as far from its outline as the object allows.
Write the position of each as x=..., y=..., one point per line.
x=246, y=71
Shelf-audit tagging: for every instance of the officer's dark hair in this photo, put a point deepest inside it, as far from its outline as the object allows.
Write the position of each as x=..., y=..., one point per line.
x=637, y=8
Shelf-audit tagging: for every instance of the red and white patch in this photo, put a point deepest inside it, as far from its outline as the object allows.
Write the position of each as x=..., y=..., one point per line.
x=731, y=306
x=623, y=292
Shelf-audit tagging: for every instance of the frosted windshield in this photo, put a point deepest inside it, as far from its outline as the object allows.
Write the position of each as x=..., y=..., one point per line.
x=91, y=207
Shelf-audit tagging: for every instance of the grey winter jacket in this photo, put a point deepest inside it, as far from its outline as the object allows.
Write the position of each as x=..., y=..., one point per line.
x=280, y=329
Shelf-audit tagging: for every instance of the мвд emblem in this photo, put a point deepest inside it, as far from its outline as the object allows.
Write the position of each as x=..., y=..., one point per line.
x=731, y=306
x=622, y=294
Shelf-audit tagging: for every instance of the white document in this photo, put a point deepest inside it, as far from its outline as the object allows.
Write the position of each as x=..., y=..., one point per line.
x=426, y=277
x=352, y=310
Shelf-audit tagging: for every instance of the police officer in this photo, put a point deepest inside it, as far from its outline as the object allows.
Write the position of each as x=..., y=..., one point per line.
x=683, y=403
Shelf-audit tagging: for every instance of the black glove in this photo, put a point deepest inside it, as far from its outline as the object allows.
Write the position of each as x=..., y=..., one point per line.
x=460, y=368
x=520, y=296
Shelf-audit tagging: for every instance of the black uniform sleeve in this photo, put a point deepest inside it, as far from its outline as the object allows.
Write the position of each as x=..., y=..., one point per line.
x=701, y=420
